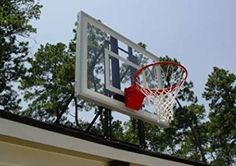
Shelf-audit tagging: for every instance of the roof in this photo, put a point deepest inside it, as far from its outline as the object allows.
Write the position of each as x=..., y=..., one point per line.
x=72, y=139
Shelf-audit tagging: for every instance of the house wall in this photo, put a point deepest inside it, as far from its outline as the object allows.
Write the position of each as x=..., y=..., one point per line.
x=21, y=155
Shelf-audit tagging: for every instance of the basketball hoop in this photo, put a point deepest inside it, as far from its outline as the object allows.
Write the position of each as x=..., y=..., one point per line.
x=159, y=83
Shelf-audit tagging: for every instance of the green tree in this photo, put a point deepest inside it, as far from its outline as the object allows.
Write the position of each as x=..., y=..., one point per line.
x=220, y=91
x=48, y=84
x=194, y=136
x=15, y=17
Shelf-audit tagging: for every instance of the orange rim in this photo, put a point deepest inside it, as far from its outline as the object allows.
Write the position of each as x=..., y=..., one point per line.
x=160, y=90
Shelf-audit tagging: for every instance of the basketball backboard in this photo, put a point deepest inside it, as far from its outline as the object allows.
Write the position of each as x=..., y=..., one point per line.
x=105, y=64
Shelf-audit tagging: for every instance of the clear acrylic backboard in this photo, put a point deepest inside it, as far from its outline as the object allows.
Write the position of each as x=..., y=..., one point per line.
x=105, y=64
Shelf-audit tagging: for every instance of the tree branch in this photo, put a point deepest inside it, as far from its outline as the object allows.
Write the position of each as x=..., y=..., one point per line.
x=63, y=109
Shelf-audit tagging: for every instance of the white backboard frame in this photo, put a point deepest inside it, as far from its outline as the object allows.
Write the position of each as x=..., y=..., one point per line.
x=81, y=89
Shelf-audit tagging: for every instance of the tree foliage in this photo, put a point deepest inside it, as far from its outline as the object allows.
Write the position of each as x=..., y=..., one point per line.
x=15, y=17
x=48, y=84
x=220, y=92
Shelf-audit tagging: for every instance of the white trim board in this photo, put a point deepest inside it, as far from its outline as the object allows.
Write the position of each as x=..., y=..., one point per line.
x=33, y=134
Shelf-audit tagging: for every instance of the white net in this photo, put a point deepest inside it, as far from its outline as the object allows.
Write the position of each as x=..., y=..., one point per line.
x=161, y=84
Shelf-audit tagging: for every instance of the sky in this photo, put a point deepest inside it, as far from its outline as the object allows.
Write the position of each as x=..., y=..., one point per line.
x=200, y=34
